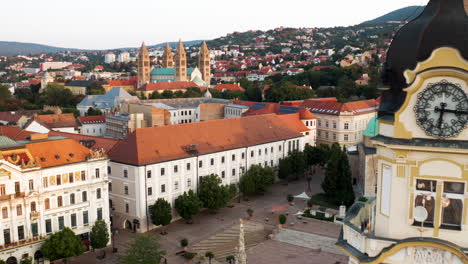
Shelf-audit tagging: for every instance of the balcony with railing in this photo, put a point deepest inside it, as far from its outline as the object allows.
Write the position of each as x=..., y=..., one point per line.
x=358, y=237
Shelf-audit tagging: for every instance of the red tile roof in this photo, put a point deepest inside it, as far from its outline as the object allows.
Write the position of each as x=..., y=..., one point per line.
x=92, y=119
x=336, y=108
x=131, y=82
x=9, y=117
x=49, y=153
x=14, y=132
x=306, y=114
x=99, y=142
x=293, y=121
x=161, y=86
x=229, y=87
x=185, y=140
x=56, y=120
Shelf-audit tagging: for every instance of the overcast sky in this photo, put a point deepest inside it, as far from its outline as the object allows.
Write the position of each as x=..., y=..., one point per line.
x=106, y=24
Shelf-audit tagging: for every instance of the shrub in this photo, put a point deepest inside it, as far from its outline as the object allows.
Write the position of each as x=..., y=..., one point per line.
x=290, y=198
x=363, y=199
x=184, y=242
x=282, y=219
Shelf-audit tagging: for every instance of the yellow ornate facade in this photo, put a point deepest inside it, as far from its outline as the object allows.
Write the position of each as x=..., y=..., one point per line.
x=420, y=211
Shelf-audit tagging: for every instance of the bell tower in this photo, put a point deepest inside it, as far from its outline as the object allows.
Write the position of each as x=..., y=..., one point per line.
x=180, y=63
x=144, y=66
x=204, y=63
x=168, y=57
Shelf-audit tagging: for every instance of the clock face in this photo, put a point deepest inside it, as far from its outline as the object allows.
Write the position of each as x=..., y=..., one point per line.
x=442, y=109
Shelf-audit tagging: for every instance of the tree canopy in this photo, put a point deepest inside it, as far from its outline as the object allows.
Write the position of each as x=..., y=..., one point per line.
x=99, y=236
x=187, y=205
x=160, y=212
x=143, y=249
x=213, y=194
x=62, y=245
x=256, y=179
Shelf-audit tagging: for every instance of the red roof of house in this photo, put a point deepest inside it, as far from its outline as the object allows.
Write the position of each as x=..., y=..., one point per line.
x=229, y=87
x=161, y=86
x=131, y=82
x=14, y=132
x=9, y=117
x=92, y=119
x=183, y=140
x=99, y=142
x=306, y=114
x=293, y=121
x=55, y=120
x=336, y=108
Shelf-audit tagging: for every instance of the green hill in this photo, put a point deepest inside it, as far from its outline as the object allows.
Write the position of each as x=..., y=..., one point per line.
x=11, y=48
x=406, y=13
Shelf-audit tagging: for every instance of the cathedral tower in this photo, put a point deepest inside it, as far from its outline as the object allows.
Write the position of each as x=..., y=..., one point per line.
x=180, y=63
x=144, y=66
x=167, y=58
x=204, y=63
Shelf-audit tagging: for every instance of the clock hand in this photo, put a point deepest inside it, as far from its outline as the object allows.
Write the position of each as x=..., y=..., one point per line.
x=442, y=112
x=459, y=112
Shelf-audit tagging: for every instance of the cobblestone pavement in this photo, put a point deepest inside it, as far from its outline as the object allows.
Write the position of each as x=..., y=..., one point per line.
x=206, y=224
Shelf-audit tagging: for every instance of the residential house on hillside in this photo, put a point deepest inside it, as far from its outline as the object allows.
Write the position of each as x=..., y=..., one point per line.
x=228, y=87
x=57, y=122
x=107, y=103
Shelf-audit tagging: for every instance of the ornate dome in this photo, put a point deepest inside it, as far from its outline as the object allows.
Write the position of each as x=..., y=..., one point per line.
x=443, y=23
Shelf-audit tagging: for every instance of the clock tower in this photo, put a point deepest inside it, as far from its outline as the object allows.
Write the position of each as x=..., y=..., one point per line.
x=419, y=213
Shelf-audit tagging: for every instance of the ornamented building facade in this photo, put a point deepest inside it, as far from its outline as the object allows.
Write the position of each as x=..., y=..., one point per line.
x=145, y=167
x=420, y=212
x=47, y=184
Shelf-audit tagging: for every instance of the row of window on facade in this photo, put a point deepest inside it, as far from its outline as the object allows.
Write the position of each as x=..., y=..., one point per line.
x=231, y=111
x=292, y=145
x=327, y=136
x=48, y=226
x=52, y=180
x=310, y=123
x=68, y=178
x=47, y=205
x=183, y=113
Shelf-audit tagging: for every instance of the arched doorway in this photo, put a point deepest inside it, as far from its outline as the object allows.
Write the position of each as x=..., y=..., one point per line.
x=128, y=225
x=12, y=260
x=38, y=257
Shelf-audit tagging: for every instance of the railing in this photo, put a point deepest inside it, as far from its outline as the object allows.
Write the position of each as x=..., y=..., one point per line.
x=22, y=242
x=35, y=214
x=5, y=197
x=20, y=194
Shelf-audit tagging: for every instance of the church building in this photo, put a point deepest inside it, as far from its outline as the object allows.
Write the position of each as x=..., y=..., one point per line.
x=174, y=67
x=420, y=211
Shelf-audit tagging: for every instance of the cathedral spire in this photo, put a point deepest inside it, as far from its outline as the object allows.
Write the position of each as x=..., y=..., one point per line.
x=168, y=57
x=204, y=63
x=180, y=63
x=144, y=66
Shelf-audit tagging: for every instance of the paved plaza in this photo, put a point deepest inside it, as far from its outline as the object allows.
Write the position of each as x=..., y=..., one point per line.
x=206, y=225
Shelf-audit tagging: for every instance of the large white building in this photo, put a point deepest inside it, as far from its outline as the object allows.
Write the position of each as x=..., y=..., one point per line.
x=123, y=57
x=109, y=57
x=47, y=184
x=164, y=162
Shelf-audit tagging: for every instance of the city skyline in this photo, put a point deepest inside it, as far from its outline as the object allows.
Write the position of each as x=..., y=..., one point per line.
x=104, y=26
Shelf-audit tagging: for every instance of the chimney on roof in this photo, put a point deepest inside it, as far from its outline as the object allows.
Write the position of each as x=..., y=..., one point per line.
x=35, y=137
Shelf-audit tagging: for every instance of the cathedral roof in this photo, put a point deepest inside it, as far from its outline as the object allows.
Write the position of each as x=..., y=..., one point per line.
x=443, y=23
x=168, y=71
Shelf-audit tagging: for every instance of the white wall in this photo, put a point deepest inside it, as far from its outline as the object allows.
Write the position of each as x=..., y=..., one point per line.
x=138, y=182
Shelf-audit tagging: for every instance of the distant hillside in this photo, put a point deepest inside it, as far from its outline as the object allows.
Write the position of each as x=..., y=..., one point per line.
x=406, y=13
x=10, y=48
x=174, y=44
